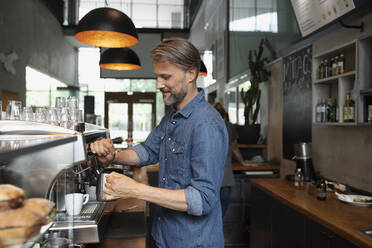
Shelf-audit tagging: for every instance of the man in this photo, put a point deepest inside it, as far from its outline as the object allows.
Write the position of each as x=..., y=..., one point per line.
x=190, y=145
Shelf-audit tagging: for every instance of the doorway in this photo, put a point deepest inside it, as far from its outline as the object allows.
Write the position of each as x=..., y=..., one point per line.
x=130, y=115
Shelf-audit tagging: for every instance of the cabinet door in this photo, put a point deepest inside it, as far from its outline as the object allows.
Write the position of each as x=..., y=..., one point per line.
x=261, y=219
x=316, y=235
x=287, y=227
x=319, y=236
x=338, y=242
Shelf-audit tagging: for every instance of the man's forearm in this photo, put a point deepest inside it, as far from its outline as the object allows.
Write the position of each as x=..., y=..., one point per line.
x=172, y=199
x=126, y=157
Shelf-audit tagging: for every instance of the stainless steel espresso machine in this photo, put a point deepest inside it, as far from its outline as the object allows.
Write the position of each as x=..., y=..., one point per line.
x=49, y=161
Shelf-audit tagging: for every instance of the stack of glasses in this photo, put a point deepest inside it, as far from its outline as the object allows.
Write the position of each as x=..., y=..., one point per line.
x=65, y=113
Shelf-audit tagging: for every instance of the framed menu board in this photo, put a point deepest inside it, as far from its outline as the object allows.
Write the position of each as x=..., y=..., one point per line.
x=297, y=99
x=314, y=14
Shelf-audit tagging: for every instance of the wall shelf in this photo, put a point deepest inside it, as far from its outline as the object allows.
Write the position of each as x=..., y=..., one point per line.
x=334, y=78
x=357, y=80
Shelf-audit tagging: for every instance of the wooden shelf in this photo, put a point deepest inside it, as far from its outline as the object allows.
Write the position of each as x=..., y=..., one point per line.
x=335, y=123
x=334, y=78
x=262, y=146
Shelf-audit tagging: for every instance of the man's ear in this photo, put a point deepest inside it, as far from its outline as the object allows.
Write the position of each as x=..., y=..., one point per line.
x=191, y=75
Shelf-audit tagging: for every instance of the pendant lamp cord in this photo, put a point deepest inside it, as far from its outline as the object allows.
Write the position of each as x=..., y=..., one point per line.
x=106, y=4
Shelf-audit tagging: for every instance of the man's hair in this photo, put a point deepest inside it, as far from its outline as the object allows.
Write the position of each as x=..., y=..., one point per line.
x=177, y=51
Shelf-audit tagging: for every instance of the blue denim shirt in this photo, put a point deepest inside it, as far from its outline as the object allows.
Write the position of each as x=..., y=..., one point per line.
x=190, y=146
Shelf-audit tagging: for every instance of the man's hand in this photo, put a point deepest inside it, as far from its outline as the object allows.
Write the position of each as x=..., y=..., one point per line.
x=104, y=149
x=119, y=186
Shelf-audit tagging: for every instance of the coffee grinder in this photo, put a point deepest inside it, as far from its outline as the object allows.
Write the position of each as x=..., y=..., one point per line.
x=304, y=160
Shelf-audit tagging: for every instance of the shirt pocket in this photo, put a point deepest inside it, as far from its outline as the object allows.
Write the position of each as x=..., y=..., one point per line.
x=176, y=159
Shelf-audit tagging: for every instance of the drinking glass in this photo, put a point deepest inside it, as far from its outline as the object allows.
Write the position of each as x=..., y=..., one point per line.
x=13, y=110
x=65, y=118
x=28, y=114
x=60, y=102
x=40, y=115
x=52, y=117
x=74, y=113
x=72, y=102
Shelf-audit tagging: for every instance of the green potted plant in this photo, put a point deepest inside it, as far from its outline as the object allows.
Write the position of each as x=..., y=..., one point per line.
x=251, y=97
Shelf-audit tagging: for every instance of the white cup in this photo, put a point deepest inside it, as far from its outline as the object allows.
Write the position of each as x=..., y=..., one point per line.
x=74, y=202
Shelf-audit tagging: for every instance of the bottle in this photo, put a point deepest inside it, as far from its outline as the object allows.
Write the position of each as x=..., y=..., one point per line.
x=369, y=119
x=323, y=112
x=330, y=67
x=335, y=66
x=349, y=109
x=298, y=179
x=345, y=113
x=329, y=110
x=320, y=70
x=321, y=192
x=318, y=112
x=325, y=68
x=333, y=109
x=341, y=64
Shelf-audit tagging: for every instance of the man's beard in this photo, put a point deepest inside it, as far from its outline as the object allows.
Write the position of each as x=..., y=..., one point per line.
x=174, y=99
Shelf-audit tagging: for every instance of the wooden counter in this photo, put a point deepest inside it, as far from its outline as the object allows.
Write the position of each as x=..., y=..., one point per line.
x=236, y=166
x=344, y=219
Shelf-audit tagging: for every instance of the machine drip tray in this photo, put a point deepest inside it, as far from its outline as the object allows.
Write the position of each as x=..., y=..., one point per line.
x=85, y=228
x=90, y=213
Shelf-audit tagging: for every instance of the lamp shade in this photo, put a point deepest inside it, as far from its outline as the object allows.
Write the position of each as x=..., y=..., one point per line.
x=203, y=69
x=121, y=59
x=107, y=27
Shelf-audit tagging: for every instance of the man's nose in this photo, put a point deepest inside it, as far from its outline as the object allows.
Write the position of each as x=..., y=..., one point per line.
x=159, y=84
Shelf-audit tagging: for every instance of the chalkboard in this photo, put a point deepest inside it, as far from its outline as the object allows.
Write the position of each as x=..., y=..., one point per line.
x=297, y=100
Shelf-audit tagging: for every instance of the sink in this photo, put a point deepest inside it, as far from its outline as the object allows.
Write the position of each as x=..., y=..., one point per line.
x=368, y=233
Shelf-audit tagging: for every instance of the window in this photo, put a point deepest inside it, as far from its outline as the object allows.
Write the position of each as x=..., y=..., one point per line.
x=91, y=84
x=144, y=13
x=41, y=89
x=235, y=105
x=253, y=15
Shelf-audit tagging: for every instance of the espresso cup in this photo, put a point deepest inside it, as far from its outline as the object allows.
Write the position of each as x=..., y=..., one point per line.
x=74, y=202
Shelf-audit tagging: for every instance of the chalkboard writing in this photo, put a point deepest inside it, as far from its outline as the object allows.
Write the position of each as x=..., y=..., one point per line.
x=297, y=100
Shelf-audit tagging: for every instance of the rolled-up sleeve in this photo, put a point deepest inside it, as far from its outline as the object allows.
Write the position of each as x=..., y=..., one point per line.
x=208, y=156
x=194, y=201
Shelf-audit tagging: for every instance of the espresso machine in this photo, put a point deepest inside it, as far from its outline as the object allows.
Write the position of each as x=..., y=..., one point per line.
x=49, y=162
x=303, y=158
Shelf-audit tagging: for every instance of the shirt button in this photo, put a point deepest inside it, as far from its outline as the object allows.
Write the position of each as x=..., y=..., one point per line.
x=173, y=122
x=166, y=159
x=173, y=150
x=163, y=179
x=159, y=218
x=169, y=138
x=162, y=137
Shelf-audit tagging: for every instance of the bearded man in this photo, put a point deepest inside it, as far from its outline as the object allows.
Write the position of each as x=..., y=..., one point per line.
x=190, y=144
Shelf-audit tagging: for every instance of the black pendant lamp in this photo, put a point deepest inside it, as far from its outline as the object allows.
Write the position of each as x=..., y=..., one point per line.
x=203, y=69
x=120, y=59
x=107, y=27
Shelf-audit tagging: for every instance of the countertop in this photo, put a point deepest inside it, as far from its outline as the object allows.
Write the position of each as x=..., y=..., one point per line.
x=236, y=166
x=344, y=219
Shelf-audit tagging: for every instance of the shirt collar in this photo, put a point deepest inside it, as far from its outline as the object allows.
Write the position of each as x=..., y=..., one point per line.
x=187, y=110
